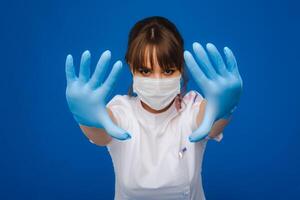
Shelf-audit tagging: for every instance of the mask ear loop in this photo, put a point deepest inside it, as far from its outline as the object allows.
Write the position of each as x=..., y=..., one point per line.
x=178, y=102
x=178, y=98
x=178, y=107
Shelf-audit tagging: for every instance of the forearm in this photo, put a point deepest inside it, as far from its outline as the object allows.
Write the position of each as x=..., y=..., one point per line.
x=97, y=136
x=218, y=127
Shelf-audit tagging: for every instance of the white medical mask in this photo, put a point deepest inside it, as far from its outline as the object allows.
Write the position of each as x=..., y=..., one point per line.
x=156, y=92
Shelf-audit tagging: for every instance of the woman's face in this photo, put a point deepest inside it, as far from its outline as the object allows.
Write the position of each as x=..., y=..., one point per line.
x=157, y=71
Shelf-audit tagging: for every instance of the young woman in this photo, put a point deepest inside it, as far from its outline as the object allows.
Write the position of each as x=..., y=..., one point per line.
x=157, y=137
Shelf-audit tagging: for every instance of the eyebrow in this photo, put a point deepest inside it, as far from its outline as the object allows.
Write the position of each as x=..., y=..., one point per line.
x=143, y=67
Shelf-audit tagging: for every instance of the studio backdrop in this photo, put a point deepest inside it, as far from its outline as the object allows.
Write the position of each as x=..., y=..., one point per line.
x=44, y=154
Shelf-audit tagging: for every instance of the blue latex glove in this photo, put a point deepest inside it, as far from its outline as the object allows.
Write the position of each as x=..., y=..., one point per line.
x=220, y=83
x=86, y=96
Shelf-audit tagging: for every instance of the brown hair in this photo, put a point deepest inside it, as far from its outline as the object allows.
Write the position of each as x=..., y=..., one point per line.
x=162, y=35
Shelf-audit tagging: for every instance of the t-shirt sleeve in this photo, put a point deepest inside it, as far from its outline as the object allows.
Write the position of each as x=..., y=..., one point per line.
x=196, y=98
x=119, y=107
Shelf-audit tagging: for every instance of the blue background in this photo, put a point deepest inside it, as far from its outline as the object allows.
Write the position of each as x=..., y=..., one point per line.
x=44, y=155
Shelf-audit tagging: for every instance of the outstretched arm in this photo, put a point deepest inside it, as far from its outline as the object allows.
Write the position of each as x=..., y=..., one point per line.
x=220, y=83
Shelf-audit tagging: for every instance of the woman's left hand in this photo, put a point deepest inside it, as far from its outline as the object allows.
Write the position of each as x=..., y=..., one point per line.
x=220, y=83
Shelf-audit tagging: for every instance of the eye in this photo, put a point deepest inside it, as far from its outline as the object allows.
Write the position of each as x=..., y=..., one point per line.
x=144, y=71
x=169, y=71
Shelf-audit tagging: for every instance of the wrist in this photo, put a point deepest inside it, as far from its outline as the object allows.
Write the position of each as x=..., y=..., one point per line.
x=227, y=116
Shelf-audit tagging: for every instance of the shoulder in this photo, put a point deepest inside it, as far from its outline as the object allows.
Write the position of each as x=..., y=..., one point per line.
x=119, y=107
x=121, y=104
x=120, y=100
x=191, y=103
x=192, y=98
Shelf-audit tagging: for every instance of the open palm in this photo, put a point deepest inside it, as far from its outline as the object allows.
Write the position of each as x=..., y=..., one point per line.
x=86, y=96
x=220, y=83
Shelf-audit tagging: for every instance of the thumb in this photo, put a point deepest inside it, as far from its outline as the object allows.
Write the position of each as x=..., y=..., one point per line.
x=203, y=130
x=112, y=129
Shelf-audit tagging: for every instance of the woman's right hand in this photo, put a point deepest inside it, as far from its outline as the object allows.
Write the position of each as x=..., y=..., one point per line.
x=86, y=96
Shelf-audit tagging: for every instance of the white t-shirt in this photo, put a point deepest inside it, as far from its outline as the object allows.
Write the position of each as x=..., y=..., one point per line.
x=148, y=166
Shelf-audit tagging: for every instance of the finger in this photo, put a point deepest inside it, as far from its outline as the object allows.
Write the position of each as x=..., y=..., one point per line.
x=204, y=61
x=230, y=60
x=217, y=59
x=112, y=77
x=101, y=68
x=194, y=69
x=69, y=68
x=84, y=73
x=203, y=130
x=112, y=129
x=232, y=64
